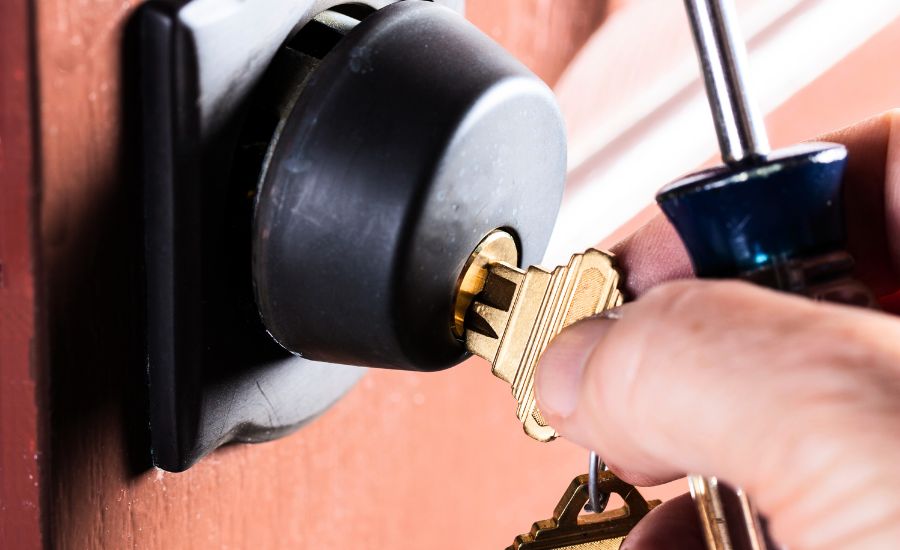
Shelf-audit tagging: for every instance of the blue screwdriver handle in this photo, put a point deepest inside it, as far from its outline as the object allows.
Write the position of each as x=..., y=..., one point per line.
x=776, y=221
x=739, y=220
x=774, y=218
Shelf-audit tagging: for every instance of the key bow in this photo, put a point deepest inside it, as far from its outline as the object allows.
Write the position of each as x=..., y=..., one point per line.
x=569, y=529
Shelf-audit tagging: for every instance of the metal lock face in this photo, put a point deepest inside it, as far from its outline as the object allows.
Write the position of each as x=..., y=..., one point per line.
x=315, y=177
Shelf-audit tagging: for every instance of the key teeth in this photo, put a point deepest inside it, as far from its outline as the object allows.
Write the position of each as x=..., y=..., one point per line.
x=478, y=321
x=488, y=315
x=484, y=327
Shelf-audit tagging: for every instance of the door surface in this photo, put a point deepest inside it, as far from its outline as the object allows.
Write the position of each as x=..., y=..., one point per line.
x=405, y=461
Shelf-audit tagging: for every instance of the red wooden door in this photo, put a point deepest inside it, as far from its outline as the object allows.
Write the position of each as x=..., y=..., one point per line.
x=22, y=423
x=405, y=461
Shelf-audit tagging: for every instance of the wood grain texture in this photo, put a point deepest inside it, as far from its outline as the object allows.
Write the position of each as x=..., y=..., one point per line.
x=20, y=349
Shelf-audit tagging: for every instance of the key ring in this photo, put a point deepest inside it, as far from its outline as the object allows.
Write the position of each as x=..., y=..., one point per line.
x=597, y=499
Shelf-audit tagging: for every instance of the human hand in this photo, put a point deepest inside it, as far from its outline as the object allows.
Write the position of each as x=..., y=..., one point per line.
x=798, y=402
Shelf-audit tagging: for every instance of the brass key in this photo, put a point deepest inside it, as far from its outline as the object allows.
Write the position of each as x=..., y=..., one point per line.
x=568, y=529
x=517, y=312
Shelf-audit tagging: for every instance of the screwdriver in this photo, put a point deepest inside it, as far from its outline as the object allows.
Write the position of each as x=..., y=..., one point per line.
x=770, y=217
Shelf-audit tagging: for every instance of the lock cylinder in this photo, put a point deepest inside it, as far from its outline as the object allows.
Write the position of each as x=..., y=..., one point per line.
x=412, y=139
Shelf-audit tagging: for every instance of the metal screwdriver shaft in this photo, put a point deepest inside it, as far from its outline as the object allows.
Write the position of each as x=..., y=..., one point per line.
x=742, y=137
x=722, y=56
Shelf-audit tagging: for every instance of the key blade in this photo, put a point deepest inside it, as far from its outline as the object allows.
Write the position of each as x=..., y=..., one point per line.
x=512, y=327
x=489, y=316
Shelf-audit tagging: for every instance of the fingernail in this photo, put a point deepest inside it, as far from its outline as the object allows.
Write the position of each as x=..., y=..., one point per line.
x=561, y=367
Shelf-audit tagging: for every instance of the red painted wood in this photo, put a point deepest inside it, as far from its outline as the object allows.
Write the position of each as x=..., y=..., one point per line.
x=544, y=34
x=20, y=349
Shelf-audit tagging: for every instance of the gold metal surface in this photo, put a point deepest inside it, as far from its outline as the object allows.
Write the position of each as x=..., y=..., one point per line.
x=705, y=492
x=518, y=312
x=498, y=246
x=570, y=530
x=708, y=498
x=750, y=516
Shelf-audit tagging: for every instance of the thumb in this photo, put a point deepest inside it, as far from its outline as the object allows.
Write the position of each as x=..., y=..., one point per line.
x=798, y=402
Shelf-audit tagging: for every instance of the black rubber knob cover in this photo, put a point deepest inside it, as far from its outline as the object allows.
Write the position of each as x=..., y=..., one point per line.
x=415, y=137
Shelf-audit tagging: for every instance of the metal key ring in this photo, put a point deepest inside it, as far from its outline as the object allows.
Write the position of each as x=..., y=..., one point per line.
x=597, y=499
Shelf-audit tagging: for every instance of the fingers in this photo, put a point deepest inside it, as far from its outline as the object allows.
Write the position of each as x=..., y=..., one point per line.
x=892, y=193
x=793, y=400
x=872, y=198
x=654, y=254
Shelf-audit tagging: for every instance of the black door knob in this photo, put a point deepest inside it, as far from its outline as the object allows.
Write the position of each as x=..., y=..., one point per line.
x=413, y=138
